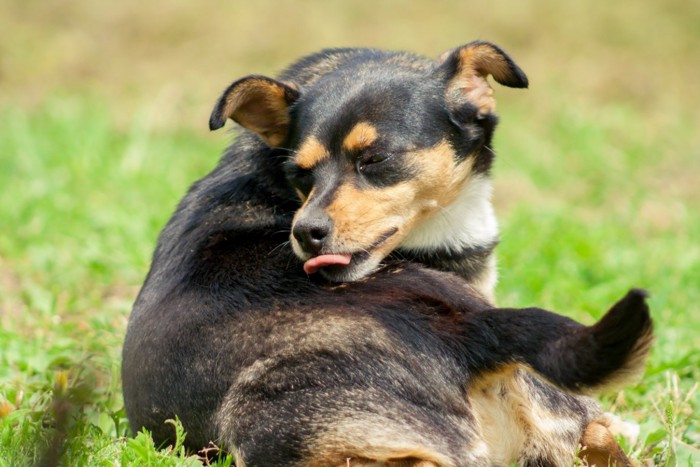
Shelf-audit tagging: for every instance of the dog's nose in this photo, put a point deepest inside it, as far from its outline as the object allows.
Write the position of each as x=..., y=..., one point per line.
x=312, y=233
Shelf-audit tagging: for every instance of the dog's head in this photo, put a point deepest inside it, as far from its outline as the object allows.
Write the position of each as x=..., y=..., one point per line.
x=380, y=147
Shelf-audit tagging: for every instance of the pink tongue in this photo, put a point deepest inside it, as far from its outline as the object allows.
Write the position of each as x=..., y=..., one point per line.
x=314, y=264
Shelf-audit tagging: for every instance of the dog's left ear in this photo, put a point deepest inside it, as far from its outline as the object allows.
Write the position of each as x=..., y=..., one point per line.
x=259, y=104
x=466, y=69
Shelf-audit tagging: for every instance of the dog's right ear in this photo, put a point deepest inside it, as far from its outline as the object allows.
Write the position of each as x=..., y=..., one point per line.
x=259, y=104
x=466, y=70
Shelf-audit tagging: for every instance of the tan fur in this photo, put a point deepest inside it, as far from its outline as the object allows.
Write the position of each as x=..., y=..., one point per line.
x=408, y=458
x=301, y=195
x=503, y=426
x=259, y=106
x=475, y=89
x=600, y=448
x=633, y=369
x=310, y=153
x=475, y=64
x=369, y=444
x=513, y=426
x=484, y=60
x=441, y=177
x=361, y=216
x=239, y=458
x=361, y=136
x=485, y=283
x=402, y=462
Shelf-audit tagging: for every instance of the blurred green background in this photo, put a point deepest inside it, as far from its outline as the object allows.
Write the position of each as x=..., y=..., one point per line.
x=104, y=109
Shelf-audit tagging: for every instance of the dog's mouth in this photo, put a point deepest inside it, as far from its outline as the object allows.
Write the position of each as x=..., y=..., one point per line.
x=340, y=267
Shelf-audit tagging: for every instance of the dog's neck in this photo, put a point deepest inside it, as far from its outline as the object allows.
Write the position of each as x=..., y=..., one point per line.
x=460, y=238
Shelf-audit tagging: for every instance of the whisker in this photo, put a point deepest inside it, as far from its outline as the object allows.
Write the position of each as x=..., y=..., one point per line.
x=278, y=247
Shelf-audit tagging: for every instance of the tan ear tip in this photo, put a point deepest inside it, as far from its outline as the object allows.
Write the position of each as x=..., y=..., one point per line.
x=512, y=76
x=485, y=58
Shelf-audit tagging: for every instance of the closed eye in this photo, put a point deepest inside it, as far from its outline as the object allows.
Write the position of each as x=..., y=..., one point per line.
x=373, y=159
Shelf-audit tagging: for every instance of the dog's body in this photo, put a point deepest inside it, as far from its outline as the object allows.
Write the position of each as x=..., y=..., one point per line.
x=403, y=364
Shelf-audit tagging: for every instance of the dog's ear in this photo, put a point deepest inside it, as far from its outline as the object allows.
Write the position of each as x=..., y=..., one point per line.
x=259, y=104
x=466, y=69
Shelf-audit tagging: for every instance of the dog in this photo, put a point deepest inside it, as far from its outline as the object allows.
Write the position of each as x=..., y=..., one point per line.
x=325, y=295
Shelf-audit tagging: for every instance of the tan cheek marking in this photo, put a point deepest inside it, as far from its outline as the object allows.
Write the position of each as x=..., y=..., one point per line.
x=362, y=135
x=361, y=216
x=441, y=179
x=310, y=153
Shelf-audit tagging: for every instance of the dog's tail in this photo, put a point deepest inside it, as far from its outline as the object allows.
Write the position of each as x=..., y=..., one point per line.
x=573, y=356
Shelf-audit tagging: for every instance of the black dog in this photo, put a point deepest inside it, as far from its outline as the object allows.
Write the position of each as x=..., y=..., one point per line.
x=408, y=363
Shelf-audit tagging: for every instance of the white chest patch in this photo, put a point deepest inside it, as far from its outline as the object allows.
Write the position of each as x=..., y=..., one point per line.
x=468, y=222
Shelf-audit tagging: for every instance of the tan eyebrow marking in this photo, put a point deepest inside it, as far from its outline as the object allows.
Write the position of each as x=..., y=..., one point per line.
x=310, y=153
x=362, y=135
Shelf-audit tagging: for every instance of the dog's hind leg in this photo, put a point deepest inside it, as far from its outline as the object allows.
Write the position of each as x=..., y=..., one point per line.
x=600, y=447
x=581, y=358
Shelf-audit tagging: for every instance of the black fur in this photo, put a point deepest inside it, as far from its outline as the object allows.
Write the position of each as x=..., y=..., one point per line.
x=468, y=262
x=230, y=335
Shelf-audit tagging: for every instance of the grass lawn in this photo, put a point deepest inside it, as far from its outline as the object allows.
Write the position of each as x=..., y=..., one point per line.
x=597, y=190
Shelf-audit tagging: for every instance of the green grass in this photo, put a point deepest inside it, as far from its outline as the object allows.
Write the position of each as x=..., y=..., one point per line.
x=103, y=112
x=604, y=207
x=83, y=201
